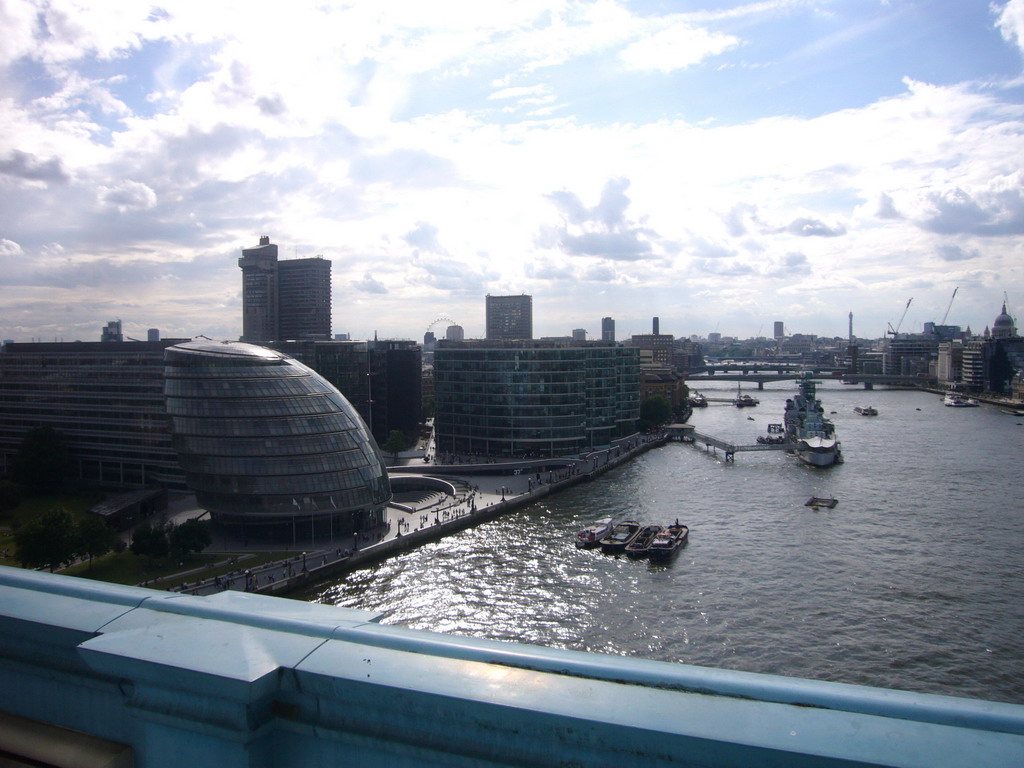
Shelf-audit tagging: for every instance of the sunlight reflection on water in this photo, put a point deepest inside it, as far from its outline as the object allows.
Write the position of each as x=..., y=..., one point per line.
x=912, y=582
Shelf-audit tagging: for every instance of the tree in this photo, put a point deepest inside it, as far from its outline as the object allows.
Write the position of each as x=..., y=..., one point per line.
x=46, y=540
x=150, y=541
x=93, y=538
x=43, y=460
x=396, y=442
x=10, y=496
x=655, y=411
x=191, y=536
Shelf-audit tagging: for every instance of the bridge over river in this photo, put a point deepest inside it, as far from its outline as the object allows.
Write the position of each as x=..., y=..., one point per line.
x=868, y=380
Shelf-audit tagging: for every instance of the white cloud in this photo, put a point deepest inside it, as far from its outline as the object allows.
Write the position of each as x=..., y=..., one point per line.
x=677, y=47
x=127, y=196
x=9, y=248
x=1011, y=21
x=375, y=134
x=370, y=285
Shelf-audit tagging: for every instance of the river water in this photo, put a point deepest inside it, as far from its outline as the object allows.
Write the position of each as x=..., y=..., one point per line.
x=914, y=581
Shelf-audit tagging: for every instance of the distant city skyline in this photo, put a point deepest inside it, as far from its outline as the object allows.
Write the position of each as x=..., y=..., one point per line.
x=722, y=168
x=457, y=333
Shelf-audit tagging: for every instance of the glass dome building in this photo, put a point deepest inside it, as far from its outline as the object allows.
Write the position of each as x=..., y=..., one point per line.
x=267, y=443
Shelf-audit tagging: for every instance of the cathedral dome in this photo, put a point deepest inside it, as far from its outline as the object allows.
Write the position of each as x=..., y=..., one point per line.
x=1003, y=327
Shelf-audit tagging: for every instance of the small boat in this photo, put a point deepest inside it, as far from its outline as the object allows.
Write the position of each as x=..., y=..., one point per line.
x=744, y=401
x=697, y=400
x=866, y=410
x=619, y=537
x=959, y=400
x=816, y=502
x=592, y=534
x=637, y=548
x=667, y=543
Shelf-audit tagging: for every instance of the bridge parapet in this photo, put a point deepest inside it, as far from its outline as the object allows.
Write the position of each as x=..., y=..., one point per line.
x=247, y=680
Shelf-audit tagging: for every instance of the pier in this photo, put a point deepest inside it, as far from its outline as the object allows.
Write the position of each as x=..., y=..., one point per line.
x=731, y=449
x=687, y=434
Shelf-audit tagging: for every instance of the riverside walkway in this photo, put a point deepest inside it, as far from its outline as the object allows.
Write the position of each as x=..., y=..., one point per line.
x=482, y=492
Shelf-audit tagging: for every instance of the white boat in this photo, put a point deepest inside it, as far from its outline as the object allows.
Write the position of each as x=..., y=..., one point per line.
x=592, y=534
x=806, y=425
x=959, y=400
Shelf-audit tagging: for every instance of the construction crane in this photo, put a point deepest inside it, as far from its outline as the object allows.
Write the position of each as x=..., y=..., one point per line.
x=893, y=331
x=950, y=305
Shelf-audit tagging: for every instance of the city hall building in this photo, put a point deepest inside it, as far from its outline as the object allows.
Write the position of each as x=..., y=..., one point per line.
x=269, y=444
x=528, y=398
x=106, y=398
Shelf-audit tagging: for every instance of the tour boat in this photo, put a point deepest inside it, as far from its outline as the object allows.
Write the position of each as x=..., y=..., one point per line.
x=959, y=400
x=866, y=410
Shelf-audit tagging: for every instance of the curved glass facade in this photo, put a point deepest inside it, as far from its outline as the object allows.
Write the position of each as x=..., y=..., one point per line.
x=265, y=440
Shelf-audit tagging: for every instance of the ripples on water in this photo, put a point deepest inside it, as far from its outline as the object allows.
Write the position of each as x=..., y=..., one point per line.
x=914, y=581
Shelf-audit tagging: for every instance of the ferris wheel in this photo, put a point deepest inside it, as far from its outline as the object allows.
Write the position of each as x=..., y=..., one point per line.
x=442, y=319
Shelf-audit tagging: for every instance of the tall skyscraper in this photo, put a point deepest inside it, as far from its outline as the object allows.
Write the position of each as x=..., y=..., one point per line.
x=284, y=299
x=607, y=329
x=259, y=292
x=510, y=317
x=304, y=298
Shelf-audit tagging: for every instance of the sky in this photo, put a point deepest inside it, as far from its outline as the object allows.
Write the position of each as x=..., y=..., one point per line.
x=719, y=164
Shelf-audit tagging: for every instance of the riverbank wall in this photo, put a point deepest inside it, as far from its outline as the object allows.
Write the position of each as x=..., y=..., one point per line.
x=577, y=470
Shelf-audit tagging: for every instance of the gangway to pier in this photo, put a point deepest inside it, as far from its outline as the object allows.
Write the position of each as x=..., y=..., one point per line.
x=731, y=449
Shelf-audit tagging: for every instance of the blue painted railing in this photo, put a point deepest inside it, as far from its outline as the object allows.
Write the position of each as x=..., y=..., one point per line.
x=238, y=679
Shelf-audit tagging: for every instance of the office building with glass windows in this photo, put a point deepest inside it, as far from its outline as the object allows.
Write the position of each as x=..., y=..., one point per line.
x=105, y=398
x=381, y=378
x=268, y=444
x=509, y=317
x=533, y=398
